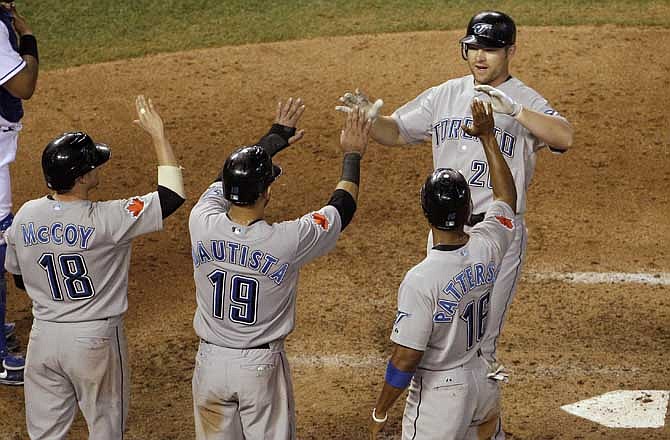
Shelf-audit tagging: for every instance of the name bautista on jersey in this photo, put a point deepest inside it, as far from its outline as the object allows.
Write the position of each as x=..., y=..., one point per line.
x=472, y=276
x=70, y=235
x=241, y=255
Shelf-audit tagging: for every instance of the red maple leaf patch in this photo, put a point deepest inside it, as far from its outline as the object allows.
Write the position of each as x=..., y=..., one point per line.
x=135, y=206
x=320, y=220
x=506, y=222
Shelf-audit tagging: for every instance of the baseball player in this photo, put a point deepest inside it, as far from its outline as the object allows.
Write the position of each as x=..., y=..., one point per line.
x=524, y=123
x=444, y=305
x=18, y=78
x=246, y=275
x=72, y=257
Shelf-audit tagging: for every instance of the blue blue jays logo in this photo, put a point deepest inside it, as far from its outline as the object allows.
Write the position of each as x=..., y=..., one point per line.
x=399, y=316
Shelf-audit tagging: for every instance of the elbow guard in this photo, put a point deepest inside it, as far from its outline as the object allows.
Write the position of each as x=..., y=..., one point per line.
x=170, y=177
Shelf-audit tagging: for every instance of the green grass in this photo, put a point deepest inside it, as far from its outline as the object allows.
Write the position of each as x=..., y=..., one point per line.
x=89, y=31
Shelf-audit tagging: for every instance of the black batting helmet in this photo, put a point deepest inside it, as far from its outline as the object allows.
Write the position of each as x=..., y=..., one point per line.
x=489, y=29
x=69, y=156
x=445, y=199
x=247, y=173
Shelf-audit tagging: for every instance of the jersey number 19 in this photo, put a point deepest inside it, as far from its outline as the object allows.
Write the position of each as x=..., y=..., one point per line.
x=243, y=294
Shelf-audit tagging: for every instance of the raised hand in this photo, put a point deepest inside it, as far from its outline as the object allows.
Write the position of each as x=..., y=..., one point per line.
x=20, y=25
x=148, y=117
x=500, y=101
x=354, y=136
x=360, y=100
x=482, y=119
x=288, y=115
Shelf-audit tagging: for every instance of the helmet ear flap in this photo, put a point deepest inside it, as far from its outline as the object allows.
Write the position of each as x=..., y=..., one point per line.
x=464, y=51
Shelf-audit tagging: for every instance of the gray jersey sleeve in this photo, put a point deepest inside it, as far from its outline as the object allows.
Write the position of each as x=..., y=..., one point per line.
x=531, y=99
x=415, y=119
x=414, y=322
x=126, y=219
x=498, y=226
x=212, y=202
x=317, y=234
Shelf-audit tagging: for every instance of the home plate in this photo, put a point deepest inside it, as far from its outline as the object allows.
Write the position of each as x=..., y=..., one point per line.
x=624, y=409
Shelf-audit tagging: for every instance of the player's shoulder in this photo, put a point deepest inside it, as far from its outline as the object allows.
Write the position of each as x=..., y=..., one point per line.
x=133, y=206
x=422, y=270
x=498, y=224
x=520, y=90
x=460, y=83
x=324, y=218
x=31, y=206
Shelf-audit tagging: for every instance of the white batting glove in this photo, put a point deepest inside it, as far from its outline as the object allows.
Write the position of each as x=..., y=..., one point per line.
x=498, y=373
x=500, y=102
x=360, y=100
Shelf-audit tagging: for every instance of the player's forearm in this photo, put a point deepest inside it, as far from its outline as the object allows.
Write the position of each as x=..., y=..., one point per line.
x=386, y=399
x=23, y=84
x=164, y=152
x=551, y=130
x=351, y=174
x=29, y=81
x=386, y=132
x=501, y=176
x=346, y=206
x=169, y=171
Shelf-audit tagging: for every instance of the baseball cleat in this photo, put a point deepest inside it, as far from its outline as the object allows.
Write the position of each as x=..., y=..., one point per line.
x=13, y=363
x=11, y=377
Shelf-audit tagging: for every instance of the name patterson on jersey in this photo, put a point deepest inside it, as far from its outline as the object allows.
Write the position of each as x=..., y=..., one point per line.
x=240, y=255
x=57, y=233
x=469, y=278
x=450, y=129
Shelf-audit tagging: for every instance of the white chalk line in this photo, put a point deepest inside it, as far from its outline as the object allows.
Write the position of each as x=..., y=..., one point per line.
x=655, y=278
x=652, y=278
x=374, y=361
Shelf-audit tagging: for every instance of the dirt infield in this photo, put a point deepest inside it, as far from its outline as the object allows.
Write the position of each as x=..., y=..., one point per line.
x=602, y=207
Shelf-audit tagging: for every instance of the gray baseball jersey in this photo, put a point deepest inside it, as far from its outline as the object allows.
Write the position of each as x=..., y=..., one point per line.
x=74, y=259
x=443, y=302
x=74, y=256
x=438, y=114
x=443, y=310
x=246, y=277
x=246, y=281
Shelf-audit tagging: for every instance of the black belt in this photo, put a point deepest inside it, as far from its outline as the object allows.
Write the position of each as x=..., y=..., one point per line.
x=265, y=346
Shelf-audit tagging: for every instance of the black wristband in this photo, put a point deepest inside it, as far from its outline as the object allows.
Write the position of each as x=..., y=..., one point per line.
x=28, y=46
x=282, y=130
x=351, y=168
x=273, y=143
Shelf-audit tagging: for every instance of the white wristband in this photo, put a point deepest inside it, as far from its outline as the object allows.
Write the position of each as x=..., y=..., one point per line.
x=170, y=177
x=374, y=416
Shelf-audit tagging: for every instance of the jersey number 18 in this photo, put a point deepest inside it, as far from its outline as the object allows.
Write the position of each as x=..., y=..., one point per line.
x=70, y=269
